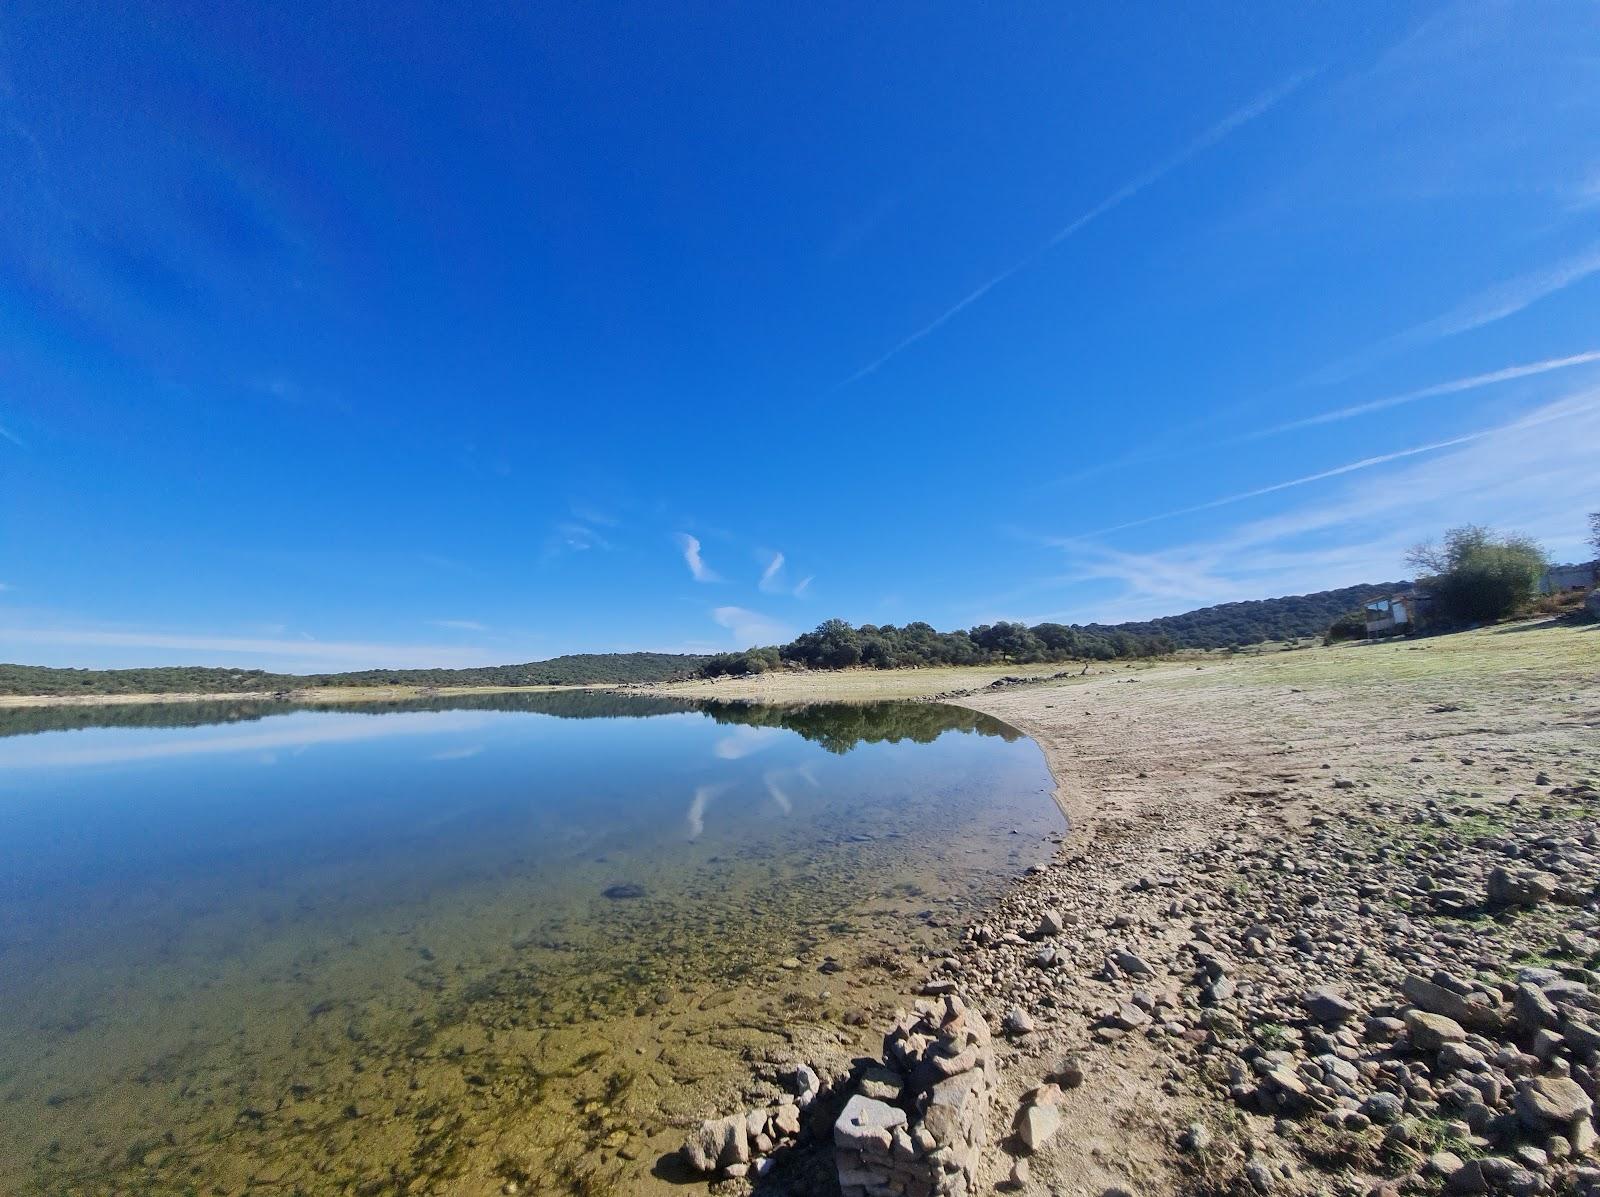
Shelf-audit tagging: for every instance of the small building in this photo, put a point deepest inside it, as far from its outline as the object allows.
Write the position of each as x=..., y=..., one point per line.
x=1399, y=614
x=1559, y=579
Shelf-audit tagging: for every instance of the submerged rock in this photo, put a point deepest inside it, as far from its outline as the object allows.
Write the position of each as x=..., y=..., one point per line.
x=620, y=892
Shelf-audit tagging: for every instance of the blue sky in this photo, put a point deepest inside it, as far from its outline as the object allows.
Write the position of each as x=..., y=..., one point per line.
x=335, y=336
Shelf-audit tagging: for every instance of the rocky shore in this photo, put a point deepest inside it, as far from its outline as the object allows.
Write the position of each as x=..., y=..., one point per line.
x=1324, y=925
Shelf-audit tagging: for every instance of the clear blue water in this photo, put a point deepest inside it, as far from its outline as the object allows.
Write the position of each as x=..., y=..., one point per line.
x=234, y=938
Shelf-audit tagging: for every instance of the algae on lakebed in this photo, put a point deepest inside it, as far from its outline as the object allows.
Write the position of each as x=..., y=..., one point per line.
x=372, y=952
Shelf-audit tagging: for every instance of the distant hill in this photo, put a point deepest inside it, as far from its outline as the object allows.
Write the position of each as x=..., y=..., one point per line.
x=1252, y=622
x=836, y=644
x=573, y=670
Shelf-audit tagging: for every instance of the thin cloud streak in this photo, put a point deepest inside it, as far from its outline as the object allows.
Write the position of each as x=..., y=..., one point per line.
x=1544, y=416
x=1453, y=387
x=769, y=576
x=1431, y=392
x=1512, y=296
x=344, y=652
x=751, y=628
x=698, y=569
x=1358, y=534
x=1257, y=107
x=1498, y=302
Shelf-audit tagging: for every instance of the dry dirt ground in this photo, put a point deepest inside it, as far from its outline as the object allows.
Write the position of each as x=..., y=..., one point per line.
x=1156, y=765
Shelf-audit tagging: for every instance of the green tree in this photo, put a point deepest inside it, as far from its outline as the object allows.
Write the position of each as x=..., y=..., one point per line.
x=1476, y=574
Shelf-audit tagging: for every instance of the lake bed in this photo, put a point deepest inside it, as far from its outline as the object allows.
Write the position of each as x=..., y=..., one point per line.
x=436, y=945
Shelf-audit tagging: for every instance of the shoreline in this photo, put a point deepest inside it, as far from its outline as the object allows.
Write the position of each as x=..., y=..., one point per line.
x=1239, y=830
x=871, y=685
x=1234, y=832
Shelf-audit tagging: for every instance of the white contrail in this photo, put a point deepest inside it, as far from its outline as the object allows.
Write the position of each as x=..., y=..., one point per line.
x=1561, y=412
x=1430, y=392
x=1127, y=191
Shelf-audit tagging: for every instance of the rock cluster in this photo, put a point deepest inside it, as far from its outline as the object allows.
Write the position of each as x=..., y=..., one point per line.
x=1401, y=997
x=745, y=1144
x=919, y=1124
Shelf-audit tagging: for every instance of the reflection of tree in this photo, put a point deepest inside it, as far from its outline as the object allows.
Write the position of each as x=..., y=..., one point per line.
x=838, y=727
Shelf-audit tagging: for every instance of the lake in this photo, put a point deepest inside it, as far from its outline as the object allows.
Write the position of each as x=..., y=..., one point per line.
x=427, y=947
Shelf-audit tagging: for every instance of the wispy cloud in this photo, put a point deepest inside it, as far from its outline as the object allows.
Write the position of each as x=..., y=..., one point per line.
x=1544, y=415
x=1486, y=307
x=1517, y=476
x=696, y=815
x=751, y=628
x=579, y=534
x=745, y=741
x=457, y=754
x=227, y=650
x=1188, y=445
x=774, y=581
x=459, y=625
x=1510, y=297
x=1453, y=387
x=43, y=751
x=698, y=569
x=1216, y=133
x=770, y=581
x=12, y=437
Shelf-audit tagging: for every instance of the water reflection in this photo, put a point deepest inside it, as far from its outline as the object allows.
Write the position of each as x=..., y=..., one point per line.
x=218, y=908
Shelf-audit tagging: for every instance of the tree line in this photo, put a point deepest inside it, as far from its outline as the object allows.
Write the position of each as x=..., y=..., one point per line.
x=837, y=644
x=575, y=669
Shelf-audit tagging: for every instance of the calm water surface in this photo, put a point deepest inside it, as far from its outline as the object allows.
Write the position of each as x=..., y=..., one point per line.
x=429, y=947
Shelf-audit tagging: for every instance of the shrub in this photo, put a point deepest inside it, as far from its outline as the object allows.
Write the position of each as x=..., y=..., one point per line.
x=1352, y=625
x=1477, y=575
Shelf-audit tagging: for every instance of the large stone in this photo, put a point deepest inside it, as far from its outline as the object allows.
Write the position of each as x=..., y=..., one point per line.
x=786, y=1118
x=866, y=1124
x=1519, y=889
x=953, y=1106
x=1474, y=1013
x=880, y=1083
x=1430, y=1032
x=1285, y=1090
x=718, y=1143
x=1551, y=1103
x=1328, y=1007
x=1534, y=1009
x=1037, y=1123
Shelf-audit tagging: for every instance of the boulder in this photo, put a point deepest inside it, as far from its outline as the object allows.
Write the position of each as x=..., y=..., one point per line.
x=1328, y=1007
x=1506, y=888
x=1473, y=1012
x=1549, y=1103
x=718, y=1143
x=1430, y=1032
